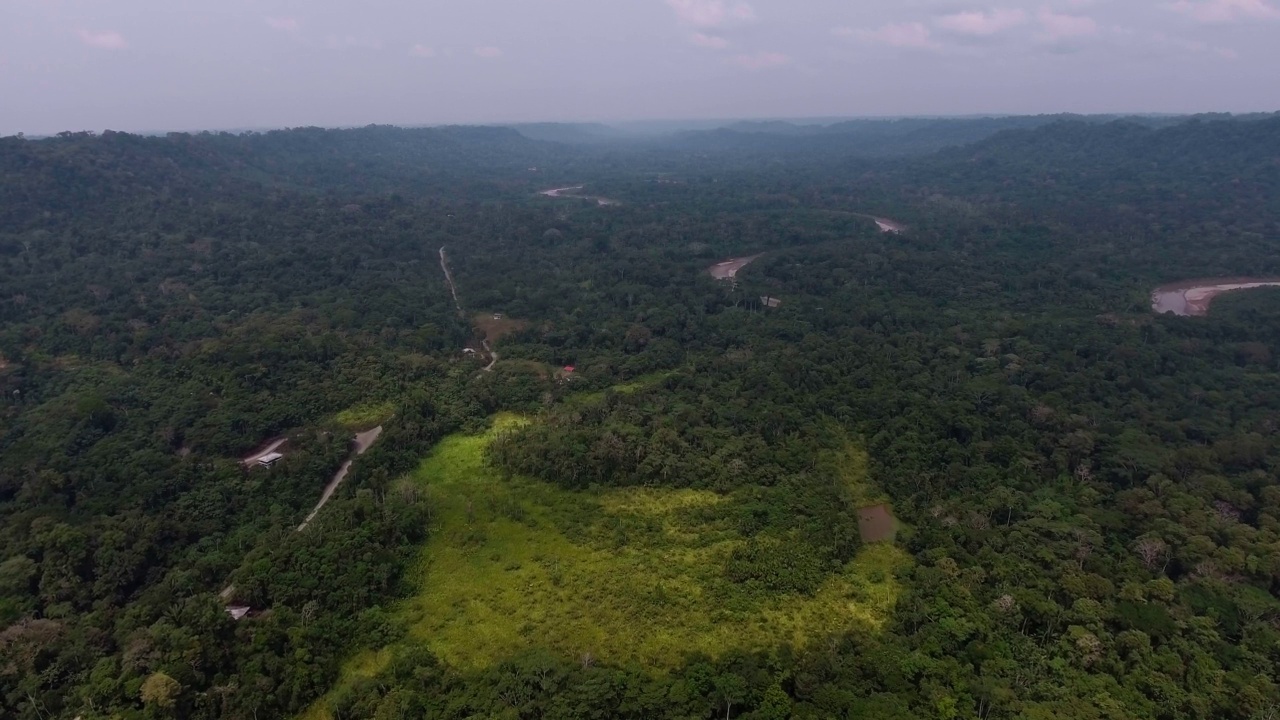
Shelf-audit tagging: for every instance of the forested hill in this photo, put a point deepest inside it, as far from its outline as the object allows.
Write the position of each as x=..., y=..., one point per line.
x=649, y=502
x=85, y=171
x=1199, y=153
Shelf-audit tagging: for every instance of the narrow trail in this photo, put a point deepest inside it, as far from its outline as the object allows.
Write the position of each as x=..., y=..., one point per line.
x=453, y=288
x=448, y=278
x=364, y=441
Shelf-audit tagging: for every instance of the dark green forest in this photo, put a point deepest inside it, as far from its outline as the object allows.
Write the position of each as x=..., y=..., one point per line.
x=1087, y=491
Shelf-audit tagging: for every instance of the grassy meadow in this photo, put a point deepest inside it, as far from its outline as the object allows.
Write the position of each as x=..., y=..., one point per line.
x=630, y=576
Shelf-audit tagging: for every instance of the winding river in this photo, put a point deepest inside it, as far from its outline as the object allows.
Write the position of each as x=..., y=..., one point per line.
x=567, y=192
x=1192, y=297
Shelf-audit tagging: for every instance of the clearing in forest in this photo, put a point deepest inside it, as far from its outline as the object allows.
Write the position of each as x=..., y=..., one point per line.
x=494, y=326
x=365, y=415
x=876, y=522
x=728, y=269
x=889, y=226
x=624, y=575
x=1192, y=297
x=263, y=450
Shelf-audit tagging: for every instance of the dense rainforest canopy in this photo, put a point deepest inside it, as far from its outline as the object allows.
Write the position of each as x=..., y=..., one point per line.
x=609, y=485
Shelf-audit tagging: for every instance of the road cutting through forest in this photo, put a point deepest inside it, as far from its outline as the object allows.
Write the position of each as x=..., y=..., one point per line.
x=448, y=278
x=453, y=289
x=1191, y=298
x=364, y=441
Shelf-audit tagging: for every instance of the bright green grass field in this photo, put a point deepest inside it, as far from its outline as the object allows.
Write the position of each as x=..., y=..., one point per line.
x=630, y=576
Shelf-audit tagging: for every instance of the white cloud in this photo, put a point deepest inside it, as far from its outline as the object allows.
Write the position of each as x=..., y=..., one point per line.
x=1160, y=40
x=1063, y=27
x=711, y=13
x=488, y=52
x=422, y=51
x=762, y=60
x=1224, y=11
x=105, y=40
x=982, y=23
x=283, y=24
x=335, y=42
x=713, y=42
x=901, y=35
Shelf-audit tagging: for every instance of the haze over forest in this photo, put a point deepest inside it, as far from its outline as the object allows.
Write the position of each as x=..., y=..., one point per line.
x=151, y=65
x=906, y=360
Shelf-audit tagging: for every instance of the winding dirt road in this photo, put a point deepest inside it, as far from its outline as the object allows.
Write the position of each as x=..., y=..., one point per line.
x=448, y=278
x=364, y=441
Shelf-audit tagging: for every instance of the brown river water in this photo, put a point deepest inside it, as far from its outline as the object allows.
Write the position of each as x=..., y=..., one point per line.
x=1192, y=297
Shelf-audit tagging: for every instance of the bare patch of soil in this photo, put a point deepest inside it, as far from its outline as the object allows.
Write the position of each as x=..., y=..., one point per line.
x=877, y=524
x=1193, y=297
x=494, y=329
x=728, y=269
x=889, y=226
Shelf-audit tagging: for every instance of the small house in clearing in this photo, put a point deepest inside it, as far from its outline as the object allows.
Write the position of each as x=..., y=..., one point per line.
x=238, y=612
x=270, y=459
x=767, y=301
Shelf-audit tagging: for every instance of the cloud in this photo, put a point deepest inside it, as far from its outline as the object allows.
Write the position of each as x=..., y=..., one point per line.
x=488, y=52
x=1064, y=27
x=900, y=35
x=714, y=42
x=422, y=51
x=711, y=13
x=1224, y=11
x=283, y=24
x=105, y=40
x=761, y=60
x=982, y=23
x=334, y=42
x=1161, y=41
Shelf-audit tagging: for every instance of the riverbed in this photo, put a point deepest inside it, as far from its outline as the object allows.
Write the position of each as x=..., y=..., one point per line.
x=1193, y=297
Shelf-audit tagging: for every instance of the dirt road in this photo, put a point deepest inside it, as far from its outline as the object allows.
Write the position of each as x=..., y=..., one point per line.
x=364, y=441
x=270, y=447
x=453, y=288
x=493, y=356
x=448, y=278
x=887, y=225
x=728, y=269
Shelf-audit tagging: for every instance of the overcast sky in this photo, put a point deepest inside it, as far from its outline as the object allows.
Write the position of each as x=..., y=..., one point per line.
x=197, y=64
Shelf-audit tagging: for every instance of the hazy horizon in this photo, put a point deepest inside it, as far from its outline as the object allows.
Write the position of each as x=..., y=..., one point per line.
x=147, y=66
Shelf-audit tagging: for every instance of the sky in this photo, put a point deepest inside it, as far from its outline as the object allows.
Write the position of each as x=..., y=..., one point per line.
x=152, y=65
